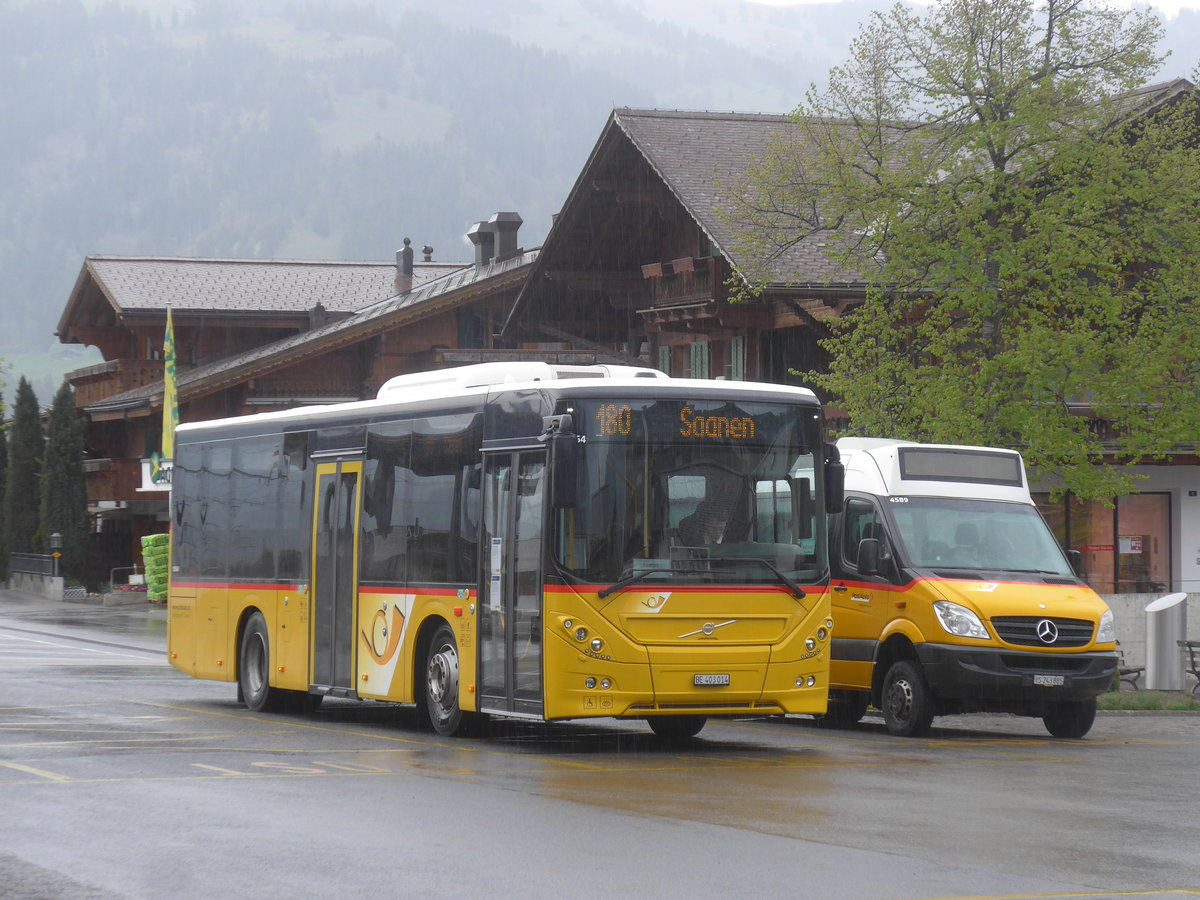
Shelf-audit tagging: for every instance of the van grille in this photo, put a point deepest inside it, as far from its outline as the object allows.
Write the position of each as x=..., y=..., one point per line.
x=1024, y=631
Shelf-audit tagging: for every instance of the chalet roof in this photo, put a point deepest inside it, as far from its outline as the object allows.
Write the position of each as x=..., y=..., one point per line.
x=432, y=296
x=133, y=285
x=702, y=157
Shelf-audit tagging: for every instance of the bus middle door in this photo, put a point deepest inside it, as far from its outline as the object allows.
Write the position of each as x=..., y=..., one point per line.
x=335, y=575
x=510, y=631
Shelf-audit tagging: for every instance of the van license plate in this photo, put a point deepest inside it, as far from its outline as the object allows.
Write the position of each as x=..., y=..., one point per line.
x=717, y=680
x=1049, y=680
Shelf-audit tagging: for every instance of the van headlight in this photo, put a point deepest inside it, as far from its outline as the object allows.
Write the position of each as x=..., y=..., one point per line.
x=1107, y=632
x=959, y=620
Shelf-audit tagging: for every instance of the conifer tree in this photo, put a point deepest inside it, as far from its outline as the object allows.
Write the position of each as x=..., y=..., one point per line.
x=21, y=496
x=64, y=488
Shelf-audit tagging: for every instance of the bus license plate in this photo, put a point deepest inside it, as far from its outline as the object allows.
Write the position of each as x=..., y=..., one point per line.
x=717, y=680
x=1049, y=680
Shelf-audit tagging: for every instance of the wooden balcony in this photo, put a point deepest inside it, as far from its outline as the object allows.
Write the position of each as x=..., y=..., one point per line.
x=107, y=379
x=686, y=280
x=112, y=479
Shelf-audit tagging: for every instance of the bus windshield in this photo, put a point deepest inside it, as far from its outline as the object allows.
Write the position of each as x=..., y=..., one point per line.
x=695, y=491
x=940, y=532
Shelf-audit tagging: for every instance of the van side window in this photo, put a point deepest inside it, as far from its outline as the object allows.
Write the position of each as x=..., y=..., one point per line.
x=861, y=521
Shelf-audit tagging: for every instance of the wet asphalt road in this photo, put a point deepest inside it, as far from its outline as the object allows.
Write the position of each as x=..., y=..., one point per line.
x=121, y=778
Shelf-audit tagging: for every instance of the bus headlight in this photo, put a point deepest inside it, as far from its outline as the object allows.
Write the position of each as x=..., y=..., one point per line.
x=959, y=620
x=581, y=634
x=1107, y=632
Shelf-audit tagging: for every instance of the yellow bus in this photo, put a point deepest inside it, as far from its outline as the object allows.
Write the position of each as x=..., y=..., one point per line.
x=521, y=540
x=951, y=594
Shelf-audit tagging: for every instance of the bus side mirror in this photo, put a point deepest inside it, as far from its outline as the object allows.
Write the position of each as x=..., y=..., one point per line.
x=563, y=458
x=868, y=556
x=835, y=480
x=1075, y=558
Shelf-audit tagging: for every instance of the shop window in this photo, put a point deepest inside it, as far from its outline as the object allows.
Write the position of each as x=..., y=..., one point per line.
x=1143, y=557
x=1124, y=548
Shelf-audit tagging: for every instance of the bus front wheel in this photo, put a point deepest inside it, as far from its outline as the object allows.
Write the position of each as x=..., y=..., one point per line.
x=1070, y=718
x=254, y=667
x=907, y=703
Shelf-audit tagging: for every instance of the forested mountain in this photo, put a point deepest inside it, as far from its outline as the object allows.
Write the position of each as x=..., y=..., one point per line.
x=333, y=128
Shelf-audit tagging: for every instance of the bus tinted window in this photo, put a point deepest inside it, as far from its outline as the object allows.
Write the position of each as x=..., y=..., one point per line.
x=418, y=524
x=253, y=502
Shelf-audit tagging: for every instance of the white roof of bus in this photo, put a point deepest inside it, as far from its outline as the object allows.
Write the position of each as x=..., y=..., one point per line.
x=873, y=467
x=485, y=378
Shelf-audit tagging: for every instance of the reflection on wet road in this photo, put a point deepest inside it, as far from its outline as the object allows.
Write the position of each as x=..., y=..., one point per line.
x=986, y=806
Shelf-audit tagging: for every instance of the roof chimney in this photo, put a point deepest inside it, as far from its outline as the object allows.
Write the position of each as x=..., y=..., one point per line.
x=404, y=268
x=506, y=224
x=427, y=253
x=483, y=236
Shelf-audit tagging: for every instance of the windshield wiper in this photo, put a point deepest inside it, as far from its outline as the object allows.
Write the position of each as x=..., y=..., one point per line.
x=797, y=591
x=627, y=580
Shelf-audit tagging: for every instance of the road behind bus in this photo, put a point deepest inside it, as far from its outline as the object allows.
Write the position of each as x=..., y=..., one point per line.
x=122, y=778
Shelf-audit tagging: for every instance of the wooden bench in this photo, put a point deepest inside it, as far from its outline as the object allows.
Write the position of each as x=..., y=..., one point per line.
x=1191, y=650
x=1128, y=674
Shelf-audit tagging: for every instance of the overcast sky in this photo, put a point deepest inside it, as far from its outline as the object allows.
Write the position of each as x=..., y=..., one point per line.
x=1166, y=7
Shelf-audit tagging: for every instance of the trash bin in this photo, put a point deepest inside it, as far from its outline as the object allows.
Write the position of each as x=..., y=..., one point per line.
x=1166, y=626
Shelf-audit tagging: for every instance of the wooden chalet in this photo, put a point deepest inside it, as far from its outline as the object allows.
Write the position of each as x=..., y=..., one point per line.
x=257, y=335
x=640, y=258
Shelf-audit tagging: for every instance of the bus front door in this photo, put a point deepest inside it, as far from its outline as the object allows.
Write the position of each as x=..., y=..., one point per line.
x=511, y=590
x=334, y=576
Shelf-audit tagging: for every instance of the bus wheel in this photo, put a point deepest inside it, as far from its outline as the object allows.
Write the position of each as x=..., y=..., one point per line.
x=441, y=683
x=254, y=667
x=845, y=708
x=676, y=728
x=1070, y=718
x=907, y=705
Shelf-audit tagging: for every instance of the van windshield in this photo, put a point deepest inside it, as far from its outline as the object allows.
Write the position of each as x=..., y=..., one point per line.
x=945, y=533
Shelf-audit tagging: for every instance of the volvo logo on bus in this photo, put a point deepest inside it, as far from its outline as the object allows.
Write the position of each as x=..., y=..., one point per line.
x=1047, y=631
x=708, y=628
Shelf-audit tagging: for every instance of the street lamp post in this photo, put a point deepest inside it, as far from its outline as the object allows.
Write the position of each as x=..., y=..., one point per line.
x=56, y=544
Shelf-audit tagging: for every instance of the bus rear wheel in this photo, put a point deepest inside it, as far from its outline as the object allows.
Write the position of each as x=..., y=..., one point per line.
x=907, y=703
x=1070, y=718
x=676, y=728
x=441, y=683
x=254, y=667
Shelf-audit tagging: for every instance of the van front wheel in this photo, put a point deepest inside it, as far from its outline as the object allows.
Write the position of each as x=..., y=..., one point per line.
x=907, y=703
x=1070, y=718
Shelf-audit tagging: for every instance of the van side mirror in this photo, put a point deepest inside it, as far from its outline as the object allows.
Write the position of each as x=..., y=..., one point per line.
x=868, y=556
x=835, y=480
x=1075, y=558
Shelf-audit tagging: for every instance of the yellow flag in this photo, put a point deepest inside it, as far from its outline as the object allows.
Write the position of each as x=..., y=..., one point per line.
x=170, y=415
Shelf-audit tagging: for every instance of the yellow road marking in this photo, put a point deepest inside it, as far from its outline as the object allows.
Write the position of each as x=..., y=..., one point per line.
x=30, y=770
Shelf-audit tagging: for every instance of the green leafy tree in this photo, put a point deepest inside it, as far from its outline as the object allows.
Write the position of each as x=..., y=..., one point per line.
x=64, y=485
x=21, y=494
x=1024, y=221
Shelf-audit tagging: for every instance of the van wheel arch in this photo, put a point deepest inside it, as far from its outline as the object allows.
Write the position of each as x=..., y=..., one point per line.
x=893, y=650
